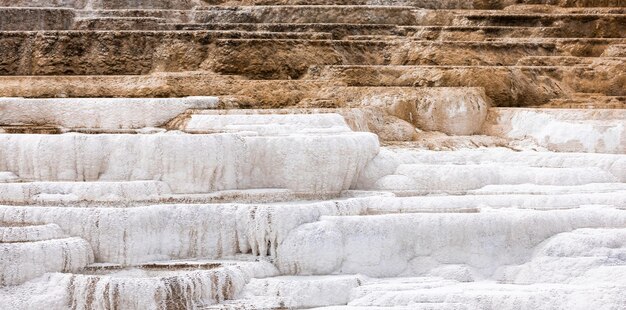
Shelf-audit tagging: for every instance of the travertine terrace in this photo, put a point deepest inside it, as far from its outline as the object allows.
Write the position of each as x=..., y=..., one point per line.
x=291, y=154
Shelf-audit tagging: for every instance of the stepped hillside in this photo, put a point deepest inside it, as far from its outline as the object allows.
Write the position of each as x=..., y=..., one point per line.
x=296, y=154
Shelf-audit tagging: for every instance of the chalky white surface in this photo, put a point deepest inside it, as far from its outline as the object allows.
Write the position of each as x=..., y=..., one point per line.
x=563, y=130
x=520, y=230
x=101, y=113
x=325, y=164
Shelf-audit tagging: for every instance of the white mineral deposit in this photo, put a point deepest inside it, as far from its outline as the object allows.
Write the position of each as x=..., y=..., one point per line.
x=312, y=154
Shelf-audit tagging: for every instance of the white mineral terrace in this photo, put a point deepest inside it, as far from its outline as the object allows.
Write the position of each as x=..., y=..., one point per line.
x=217, y=219
x=312, y=154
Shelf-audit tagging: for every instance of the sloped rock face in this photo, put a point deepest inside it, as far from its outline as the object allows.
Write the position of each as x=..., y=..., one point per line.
x=289, y=154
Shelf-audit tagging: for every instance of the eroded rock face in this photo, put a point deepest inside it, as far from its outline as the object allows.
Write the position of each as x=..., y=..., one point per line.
x=77, y=53
x=506, y=86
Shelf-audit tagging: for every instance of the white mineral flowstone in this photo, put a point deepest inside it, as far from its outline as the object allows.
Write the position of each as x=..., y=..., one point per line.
x=29, y=233
x=8, y=177
x=384, y=163
x=267, y=124
x=138, y=193
x=297, y=292
x=562, y=130
x=436, y=293
x=435, y=178
x=22, y=261
x=571, y=270
x=549, y=189
x=376, y=120
x=136, y=288
x=325, y=164
x=579, y=257
x=134, y=235
x=64, y=192
x=467, y=203
x=101, y=113
x=264, y=195
x=300, y=120
x=138, y=234
x=388, y=159
x=476, y=244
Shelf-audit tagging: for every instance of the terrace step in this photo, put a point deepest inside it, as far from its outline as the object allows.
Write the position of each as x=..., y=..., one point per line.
x=186, y=4
x=472, y=33
x=505, y=85
x=366, y=108
x=429, y=292
x=20, y=233
x=564, y=130
x=130, y=194
x=297, y=292
x=105, y=158
x=76, y=192
x=118, y=237
x=394, y=156
x=118, y=23
x=175, y=284
x=590, y=102
x=400, y=15
x=584, y=24
x=81, y=4
x=25, y=260
x=265, y=124
x=531, y=85
x=338, y=30
x=552, y=61
x=528, y=197
x=590, y=23
x=24, y=19
x=360, y=106
x=98, y=113
x=415, y=177
x=459, y=246
x=158, y=52
x=8, y=177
